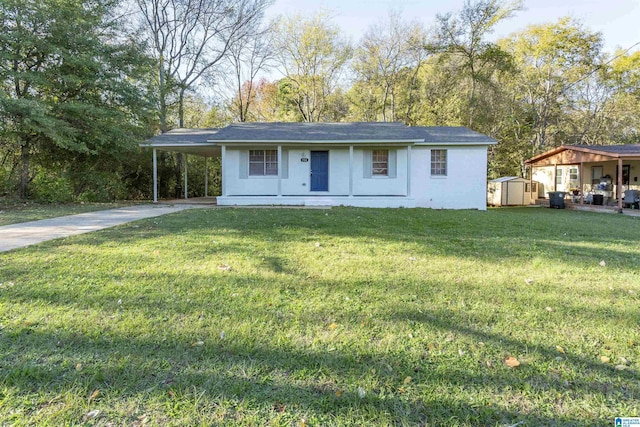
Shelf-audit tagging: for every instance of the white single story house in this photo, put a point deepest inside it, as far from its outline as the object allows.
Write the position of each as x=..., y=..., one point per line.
x=351, y=164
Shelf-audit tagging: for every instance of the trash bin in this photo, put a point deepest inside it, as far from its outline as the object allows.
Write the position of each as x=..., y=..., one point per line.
x=598, y=199
x=556, y=199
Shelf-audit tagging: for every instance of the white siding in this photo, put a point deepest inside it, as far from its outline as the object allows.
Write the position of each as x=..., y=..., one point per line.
x=464, y=187
x=380, y=185
x=250, y=186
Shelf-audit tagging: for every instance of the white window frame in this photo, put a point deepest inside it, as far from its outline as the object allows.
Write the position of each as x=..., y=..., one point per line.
x=379, y=163
x=439, y=162
x=573, y=173
x=269, y=163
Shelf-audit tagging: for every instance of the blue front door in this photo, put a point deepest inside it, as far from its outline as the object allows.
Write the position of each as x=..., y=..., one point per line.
x=319, y=171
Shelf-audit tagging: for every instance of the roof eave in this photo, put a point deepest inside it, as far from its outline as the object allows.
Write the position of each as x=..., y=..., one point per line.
x=589, y=150
x=317, y=141
x=459, y=143
x=176, y=144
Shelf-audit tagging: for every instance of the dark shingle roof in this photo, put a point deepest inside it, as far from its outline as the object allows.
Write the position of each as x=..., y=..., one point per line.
x=451, y=134
x=319, y=132
x=314, y=132
x=183, y=136
x=629, y=149
x=358, y=131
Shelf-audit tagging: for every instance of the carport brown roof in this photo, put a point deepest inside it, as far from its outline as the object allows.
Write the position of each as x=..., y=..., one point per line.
x=611, y=151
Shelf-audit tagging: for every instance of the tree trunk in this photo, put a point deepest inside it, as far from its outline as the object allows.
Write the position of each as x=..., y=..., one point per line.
x=23, y=189
x=179, y=194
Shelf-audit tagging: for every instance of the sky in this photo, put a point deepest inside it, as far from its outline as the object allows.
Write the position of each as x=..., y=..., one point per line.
x=617, y=20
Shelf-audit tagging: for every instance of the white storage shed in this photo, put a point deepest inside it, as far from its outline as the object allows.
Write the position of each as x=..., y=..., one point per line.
x=511, y=191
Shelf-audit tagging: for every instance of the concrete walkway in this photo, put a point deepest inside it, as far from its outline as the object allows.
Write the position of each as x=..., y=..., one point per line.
x=30, y=233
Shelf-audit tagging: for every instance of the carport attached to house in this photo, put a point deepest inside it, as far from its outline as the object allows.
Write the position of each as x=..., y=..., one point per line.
x=186, y=141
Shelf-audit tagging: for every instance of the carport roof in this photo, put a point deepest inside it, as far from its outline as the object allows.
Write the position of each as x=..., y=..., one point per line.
x=190, y=141
x=611, y=151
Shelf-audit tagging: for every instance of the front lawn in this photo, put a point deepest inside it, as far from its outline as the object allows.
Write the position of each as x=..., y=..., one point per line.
x=327, y=317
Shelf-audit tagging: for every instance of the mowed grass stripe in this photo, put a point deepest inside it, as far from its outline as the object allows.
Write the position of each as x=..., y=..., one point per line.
x=339, y=317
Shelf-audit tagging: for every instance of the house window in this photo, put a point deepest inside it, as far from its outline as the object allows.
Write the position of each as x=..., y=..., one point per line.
x=558, y=176
x=263, y=162
x=596, y=174
x=573, y=173
x=438, y=162
x=380, y=163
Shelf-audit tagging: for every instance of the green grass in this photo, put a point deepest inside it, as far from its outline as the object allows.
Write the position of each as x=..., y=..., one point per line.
x=12, y=212
x=339, y=317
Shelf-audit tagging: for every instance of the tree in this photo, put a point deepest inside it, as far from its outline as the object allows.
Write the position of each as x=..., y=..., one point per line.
x=69, y=85
x=463, y=36
x=312, y=55
x=387, y=61
x=555, y=62
x=264, y=107
x=248, y=58
x=189, y=39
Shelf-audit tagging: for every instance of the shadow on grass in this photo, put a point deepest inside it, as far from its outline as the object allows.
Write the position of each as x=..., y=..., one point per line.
x=264, y=377
x=574, y=238
x=305, y=378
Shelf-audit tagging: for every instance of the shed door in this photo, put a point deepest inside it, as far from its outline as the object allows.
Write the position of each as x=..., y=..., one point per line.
x=515, y=195
x=319, y=171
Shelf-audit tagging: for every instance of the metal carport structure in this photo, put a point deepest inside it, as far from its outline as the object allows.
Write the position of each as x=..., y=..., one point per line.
x=186, y=141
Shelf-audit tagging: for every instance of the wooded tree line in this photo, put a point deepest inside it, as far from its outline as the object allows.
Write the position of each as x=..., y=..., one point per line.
x=82, y=82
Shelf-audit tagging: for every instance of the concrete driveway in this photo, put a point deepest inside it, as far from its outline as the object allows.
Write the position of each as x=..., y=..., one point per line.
x=30, y=233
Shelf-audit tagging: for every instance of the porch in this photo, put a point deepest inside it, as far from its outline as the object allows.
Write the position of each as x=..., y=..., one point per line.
x=598, y=177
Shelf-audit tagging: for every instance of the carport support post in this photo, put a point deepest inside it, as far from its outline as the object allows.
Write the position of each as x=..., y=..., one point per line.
x=581, y=184
x=619, y=185
x=530, y=184
x=186, y=165
x=155, y=176
x=206, y=178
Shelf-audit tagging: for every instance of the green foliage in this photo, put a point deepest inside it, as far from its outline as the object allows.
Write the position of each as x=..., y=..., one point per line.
x=386, y=65
x=341, y=317
x=313, y=54
x=99, y=186
x=49, y=187
x=69, y=80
